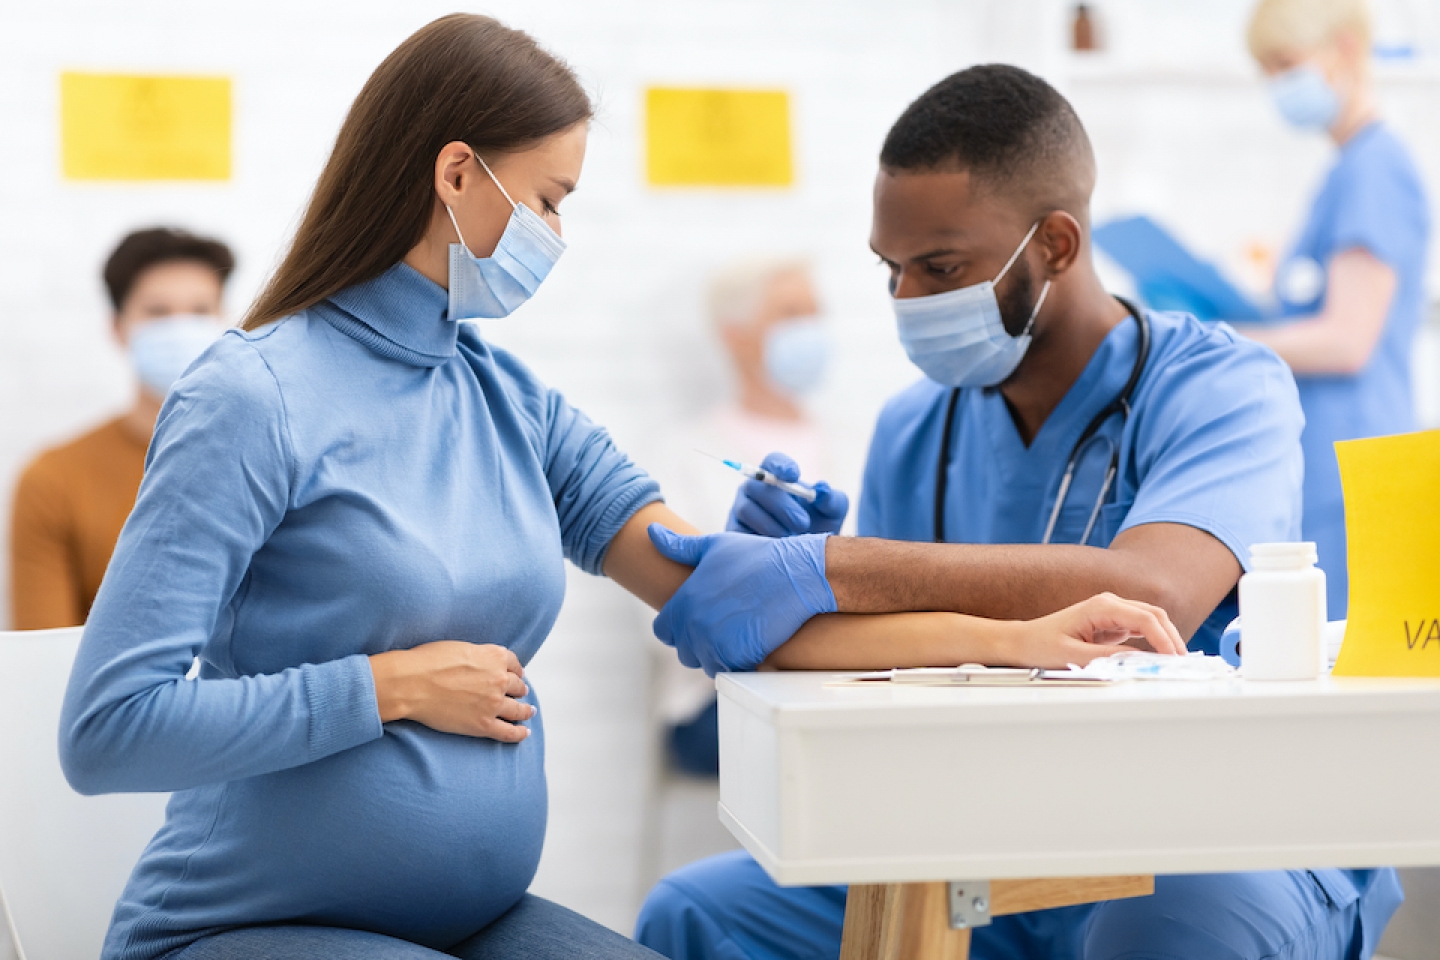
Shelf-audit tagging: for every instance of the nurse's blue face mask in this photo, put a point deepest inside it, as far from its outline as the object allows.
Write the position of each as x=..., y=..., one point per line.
x=1304, y=98
x=496, y=286
x=958, y=338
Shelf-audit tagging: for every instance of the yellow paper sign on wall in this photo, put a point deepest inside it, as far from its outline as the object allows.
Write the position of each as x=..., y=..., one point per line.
x=116, y=126
x=1392, y=523
x=717, y=138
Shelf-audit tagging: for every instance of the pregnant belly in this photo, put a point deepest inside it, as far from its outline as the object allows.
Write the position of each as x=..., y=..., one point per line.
x=418, y=835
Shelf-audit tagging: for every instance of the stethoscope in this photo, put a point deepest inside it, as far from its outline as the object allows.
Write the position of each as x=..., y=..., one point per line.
x=1120, y=405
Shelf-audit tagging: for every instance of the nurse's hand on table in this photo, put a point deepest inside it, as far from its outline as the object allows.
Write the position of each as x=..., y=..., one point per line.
x=1092, y=629
x=771, y=512
x=455, y=687
x=747, y=596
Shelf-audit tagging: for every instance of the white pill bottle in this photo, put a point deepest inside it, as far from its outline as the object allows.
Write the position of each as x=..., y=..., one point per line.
x=1282, y=613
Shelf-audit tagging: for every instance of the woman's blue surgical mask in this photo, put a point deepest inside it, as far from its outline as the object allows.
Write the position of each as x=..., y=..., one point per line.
x=162, y=349
x=958, y=339
x=796, y=352
x=495, y=286
x=1304, y=98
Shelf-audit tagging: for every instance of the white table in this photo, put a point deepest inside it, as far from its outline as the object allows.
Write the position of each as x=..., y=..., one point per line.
x=891, y=784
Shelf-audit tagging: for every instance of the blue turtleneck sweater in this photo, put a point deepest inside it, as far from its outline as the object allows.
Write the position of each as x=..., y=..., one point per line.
x=364, y=476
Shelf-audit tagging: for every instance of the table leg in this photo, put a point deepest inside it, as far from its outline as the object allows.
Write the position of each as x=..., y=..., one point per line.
x=901, y=921
x=911, y=921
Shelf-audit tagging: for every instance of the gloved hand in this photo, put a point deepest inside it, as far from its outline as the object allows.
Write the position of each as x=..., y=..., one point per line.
x=747, y=596
x=771, y=512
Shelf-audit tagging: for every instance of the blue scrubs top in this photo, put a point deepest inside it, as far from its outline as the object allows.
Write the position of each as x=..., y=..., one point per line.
x=1212, y=442
x=1372, y=200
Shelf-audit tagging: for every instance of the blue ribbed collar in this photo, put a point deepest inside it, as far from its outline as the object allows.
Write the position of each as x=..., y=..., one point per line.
x=400, y=314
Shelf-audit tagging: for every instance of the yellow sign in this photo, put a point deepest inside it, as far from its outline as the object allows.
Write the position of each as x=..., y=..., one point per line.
x=1392, y=522
x=717, y=138
x=116, y=126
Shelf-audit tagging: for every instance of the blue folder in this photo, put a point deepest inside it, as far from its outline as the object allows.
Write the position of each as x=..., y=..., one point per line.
x=1169, y=277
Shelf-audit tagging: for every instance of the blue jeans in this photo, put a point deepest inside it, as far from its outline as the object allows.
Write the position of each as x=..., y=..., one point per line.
x=728, y=908
x=533, y=929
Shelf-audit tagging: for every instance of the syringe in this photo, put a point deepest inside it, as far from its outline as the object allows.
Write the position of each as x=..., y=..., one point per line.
x=765, y=476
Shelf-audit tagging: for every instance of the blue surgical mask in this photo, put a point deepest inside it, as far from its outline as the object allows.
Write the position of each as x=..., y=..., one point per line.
x=162, y=349
x=1305, y=99
x=958, y=339
x=496, y=286
x=796, y=353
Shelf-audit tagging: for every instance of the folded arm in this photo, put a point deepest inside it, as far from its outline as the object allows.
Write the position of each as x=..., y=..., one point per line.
x=1169, y=565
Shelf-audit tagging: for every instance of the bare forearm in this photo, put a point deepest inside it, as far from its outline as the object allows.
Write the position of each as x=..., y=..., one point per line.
x=1022, y=581
x=633, y=562
x=879, y=642
x=1313, y=346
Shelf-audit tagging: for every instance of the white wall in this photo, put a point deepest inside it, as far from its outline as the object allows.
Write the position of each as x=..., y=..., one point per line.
x=618, y=327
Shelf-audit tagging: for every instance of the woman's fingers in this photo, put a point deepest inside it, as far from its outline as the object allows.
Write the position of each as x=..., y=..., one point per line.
x=497, y=729
x=1141, y=619
x=514, y=711
x=515, y=687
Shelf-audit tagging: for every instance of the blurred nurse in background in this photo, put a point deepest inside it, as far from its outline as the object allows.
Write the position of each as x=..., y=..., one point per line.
x=767, y=317
x=1351, y=287
x=166, y=287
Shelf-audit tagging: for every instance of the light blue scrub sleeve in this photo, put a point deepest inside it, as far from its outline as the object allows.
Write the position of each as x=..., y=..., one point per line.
x=596, y=487
x=218, y=481
x=1217, y=446
x=1378, y=210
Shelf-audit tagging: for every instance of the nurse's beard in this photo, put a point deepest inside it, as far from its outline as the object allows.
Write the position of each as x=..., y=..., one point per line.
x=1017, y=304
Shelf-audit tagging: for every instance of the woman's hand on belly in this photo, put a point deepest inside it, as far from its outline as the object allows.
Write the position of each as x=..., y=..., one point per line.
x=454, y=687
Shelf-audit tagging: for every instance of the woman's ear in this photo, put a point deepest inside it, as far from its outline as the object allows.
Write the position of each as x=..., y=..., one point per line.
x=451, y=171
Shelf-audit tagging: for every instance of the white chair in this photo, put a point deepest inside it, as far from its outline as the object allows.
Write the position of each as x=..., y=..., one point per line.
x=64, y=858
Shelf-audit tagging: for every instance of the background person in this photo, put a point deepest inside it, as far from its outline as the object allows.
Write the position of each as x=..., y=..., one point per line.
x=766, y=314
x=1352, y=286
x=166, y=287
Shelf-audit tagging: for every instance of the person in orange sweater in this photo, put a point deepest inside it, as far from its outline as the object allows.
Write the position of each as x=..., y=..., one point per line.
x=166, y=286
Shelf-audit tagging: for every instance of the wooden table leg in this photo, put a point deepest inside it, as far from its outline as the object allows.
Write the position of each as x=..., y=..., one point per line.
x=901, y=921
x=911, y=921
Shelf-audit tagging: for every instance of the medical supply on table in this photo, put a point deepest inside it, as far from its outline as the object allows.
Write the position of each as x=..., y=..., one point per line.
x=1394, y=533
x=970, y=674
x=487, y=288
x=765, y=476
x=958, y=338
x=1125, y=664
x=1332, y=638
x=1282, y=611
x=1091, y=433
x=1144, y=665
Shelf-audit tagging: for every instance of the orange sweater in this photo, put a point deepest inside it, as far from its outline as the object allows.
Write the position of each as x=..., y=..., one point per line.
x=69, y=507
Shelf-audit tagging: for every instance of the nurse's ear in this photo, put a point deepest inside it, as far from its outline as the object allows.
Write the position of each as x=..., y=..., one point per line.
x=1061, y=238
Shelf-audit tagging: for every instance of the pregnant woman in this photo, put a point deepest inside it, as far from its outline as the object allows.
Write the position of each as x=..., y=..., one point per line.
x=355, y=513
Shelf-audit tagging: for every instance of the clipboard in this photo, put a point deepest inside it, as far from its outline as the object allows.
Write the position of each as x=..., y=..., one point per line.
x=974, y=675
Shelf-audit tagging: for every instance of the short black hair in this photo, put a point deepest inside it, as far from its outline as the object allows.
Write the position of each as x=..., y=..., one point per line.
x=147, y=248
x=1006, y=126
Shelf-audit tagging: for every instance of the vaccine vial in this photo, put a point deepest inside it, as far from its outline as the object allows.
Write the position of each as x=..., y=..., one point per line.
x=1282, y=613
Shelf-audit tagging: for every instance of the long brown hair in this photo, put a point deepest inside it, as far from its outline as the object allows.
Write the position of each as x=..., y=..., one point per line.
x=463, y=77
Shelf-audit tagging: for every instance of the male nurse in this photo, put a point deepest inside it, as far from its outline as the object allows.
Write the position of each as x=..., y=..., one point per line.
x=1060, y=445
x=1351, y=288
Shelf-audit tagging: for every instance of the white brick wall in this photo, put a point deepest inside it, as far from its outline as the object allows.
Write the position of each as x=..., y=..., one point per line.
x=618, y=327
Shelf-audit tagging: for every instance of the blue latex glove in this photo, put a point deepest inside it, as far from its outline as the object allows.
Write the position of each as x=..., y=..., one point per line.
x=747, y=596
x=768, y=511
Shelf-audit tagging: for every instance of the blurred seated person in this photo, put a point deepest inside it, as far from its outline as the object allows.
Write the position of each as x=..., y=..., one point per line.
x=767, y=315
x=166, y=287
